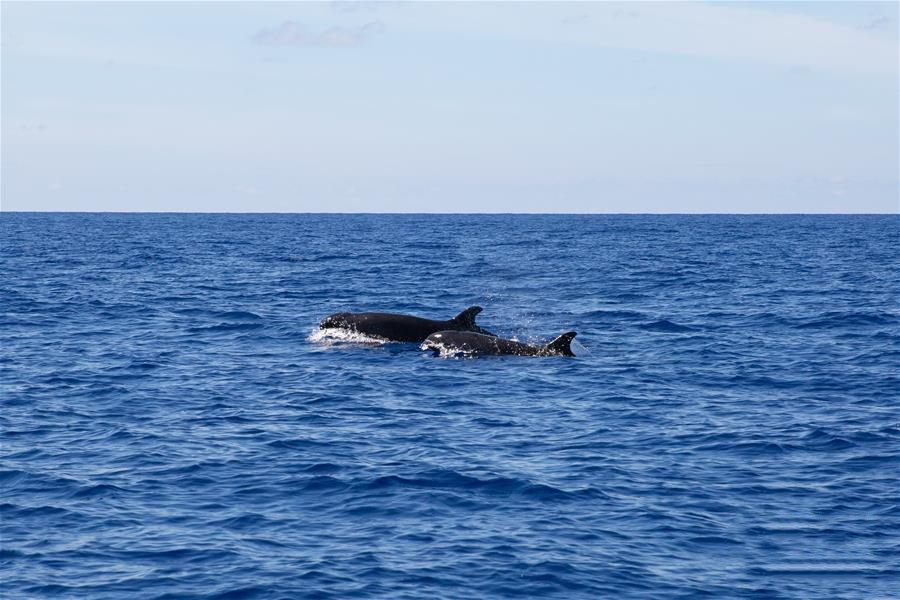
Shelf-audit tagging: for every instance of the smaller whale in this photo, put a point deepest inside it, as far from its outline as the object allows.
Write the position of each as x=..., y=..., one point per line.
x=403, y=328
x=466, y=342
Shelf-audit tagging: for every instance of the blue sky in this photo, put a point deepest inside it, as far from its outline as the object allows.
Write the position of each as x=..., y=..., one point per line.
x=450, y=107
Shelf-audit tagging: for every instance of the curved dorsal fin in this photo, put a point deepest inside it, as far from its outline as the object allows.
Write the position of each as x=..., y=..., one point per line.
x=561, y=345
x=467, y=317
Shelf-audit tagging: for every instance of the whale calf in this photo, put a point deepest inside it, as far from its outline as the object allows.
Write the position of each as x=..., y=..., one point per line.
x=403, y=328
x=467, y=342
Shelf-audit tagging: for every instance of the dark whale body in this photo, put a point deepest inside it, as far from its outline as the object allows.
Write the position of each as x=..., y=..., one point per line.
x=473, y=343
x=403, y=328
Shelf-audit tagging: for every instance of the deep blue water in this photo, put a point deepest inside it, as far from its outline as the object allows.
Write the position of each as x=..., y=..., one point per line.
x=172, y=426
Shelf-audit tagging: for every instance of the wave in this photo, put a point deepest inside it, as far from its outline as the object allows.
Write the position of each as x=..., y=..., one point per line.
x=822, y=441
x=226, y=327
x=23, y=480
x=497, y=486
x=665, y=326
x=822, y=567
x=837, y=319
x=238, y=315
x=97, y=491
x=298, y=444
x=715, y=540
x=759, y=448
x=615, y=314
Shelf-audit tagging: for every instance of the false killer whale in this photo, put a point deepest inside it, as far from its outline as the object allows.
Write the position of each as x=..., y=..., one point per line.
x=403, y=328
x=466, y=342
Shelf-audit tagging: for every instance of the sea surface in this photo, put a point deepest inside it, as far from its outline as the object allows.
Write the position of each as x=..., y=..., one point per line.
x=174, y=425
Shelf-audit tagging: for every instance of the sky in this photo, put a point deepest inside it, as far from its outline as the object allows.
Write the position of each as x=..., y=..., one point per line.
x=634, y=107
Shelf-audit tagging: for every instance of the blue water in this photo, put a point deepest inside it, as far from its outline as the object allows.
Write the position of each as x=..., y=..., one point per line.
x=174, y=427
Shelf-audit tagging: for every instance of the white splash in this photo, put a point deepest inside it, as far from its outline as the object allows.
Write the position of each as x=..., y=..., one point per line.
x=443, y=351
x=338, y=335
x=579, y=349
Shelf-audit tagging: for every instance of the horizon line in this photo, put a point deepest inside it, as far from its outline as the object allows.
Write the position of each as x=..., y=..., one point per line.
x=181, y=212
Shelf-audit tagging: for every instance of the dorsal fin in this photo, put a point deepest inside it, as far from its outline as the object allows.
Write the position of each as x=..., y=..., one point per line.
x=561, y=345
x=467, y=317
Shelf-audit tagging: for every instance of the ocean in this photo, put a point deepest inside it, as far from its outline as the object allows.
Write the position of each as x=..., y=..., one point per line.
x=175, y=426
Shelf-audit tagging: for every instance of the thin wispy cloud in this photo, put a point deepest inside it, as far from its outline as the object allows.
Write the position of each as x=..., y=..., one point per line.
x=738, y=32
x=291, y=33
x=876, y=23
